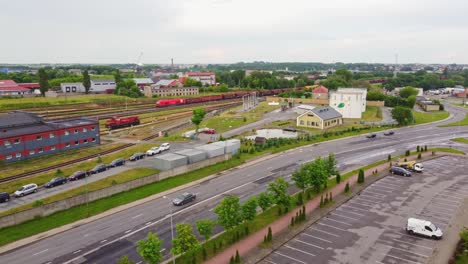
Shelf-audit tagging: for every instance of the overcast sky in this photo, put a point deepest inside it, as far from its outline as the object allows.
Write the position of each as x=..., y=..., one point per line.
x=228, y=31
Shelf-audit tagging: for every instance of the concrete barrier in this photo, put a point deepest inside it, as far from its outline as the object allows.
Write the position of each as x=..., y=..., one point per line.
x=48, y=209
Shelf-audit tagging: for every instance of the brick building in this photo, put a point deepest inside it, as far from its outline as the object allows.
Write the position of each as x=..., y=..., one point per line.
x=26, y=135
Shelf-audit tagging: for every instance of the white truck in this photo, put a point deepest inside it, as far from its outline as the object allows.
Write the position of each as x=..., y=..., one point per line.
x=411, y=165
x=423, y=228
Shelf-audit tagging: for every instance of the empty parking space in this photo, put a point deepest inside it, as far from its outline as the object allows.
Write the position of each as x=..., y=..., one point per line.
x=370, y=227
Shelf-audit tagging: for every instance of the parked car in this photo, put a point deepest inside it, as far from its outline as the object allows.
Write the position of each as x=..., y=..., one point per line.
x=4, y=197
x=99, y=168
x=209, y=131
x=55, y=182
x=372, y=135
x=26, y=189
x=137, y=156
x=400, y=171
x=78, y=175
x=184, y=198
x=389, y=133
x=117, y=162
x=153, y=151
x=165, y=146
x=424, y=228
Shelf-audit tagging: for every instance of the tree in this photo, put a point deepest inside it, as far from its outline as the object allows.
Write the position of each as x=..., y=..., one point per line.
x=205, y=228
x=223, y=88
x=407, y=92
x=264, y=200
x=117, y=77
x=189, y=82
x=128, y=88
x=43, y=81
x=185, y=239
x=124, y=260
x=86, y=81
x=402, y=115
x=301, y=178
x=279, y=190
x=198, y=115
x=345, y=74
x=150, y=249
x=411, y=101
x=331, y=164
x=229, y=212
x=318, y=173
x=249, y=209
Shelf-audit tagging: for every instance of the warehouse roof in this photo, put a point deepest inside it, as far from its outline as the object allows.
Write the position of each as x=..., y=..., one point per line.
x=326, y=113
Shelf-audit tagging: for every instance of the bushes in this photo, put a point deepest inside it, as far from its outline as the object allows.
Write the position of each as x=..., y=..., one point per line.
x=360, y=178
x=346, y=189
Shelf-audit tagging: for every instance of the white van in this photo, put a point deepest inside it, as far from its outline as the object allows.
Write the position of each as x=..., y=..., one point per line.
x=424, y=228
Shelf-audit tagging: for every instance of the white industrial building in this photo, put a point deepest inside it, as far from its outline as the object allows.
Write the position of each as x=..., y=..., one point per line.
x=72, y=87
x=101, y=86
x=349, y=102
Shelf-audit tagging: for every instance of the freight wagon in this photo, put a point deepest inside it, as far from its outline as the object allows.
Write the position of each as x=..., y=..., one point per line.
x=116, y=122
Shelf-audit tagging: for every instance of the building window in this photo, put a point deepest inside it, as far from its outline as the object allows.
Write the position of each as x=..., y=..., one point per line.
x=8, y=157
x=77, y=142
x=302, y=122
x=51, y=135
x=32, y=152
x=85, y=141
x=17, y=140
x=7, y=143
x=93, y=140
x=38, y=137
x=52, y=148
x=93, y=128
x=18, y=155
x=76, y=131
x=67, y=145
x=67, y=132
x=85, y=129
x=40, y=150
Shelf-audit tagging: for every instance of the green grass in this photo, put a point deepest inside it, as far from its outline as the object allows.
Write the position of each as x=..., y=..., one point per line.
x=460, y=140
x=463, y=122
x=122, y=177
x=67, y=171
x=448, y=150
x=372, y=114
x=423, y=118
x=461, y=253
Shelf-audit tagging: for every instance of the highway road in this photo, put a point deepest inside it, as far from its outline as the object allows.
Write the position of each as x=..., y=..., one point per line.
x=107, y=239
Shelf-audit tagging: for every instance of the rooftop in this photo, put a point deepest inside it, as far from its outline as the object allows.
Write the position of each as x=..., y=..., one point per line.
x=320, y=89
x=200, y=73
x=326, y=113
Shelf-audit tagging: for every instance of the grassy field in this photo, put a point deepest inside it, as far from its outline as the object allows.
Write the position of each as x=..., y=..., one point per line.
x=9, y=169
x=67, y=171
x=372, y=114
x=448, y=150
x=463, y=122
x=122, y=177
x=460, y=140
x=422, y=118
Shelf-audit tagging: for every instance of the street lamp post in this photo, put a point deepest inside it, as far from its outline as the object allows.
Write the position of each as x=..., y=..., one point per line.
x=172, y=228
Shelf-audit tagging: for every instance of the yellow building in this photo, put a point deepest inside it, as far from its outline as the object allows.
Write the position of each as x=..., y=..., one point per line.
x=321, y=118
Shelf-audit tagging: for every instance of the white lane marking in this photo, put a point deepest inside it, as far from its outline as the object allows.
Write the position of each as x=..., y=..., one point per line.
x=310, y=244
x=139, y=262
x=128, y=231
x=149, y=223
x=387, y=255
x=286, y=256
x=439, y=213
x=372, y=197
x=341, y=229
x=293, y=248
x=417, y=254
x=352, y=202
x=400, y=241
x=305, y=234
x=78, y=251
x=435, y=200
x=338, y=221
x=355, y=208
x=438, y=198
x=441, y=207
x=325, y=232
x=377, y=187
x=85, y=235
x=211, y=209
x=382, y=185
x=162, y=250
x=104, y=241
x=269, y=261
x=370, y=192
x=350, y=212
x=453, y=194
x=136, y=216
x=352, y=218
x=40, y=252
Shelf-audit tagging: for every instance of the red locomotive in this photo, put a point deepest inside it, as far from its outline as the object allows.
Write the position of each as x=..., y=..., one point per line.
x=116, y=122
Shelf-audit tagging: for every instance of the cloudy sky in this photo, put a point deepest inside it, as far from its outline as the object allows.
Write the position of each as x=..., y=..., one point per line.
x=228, y=31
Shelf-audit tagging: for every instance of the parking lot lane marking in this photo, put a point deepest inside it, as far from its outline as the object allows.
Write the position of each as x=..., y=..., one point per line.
x=413, y=244
x=451, y=210
x=366, y=200
x=325, y=232
x=354, y=202
x=391, y=183
x=352, y=218
x=351, y=212
x=407, y=251
x=338, y=221
x=375, y=187
x=310, y=244
x=337, y=228
x=445, y=199
x=128, y=231
x=286, y=256
x=149, y=223
x=305, y=234
x=453, y=193
x=451, y=196
x=104, y=241
x=40, y=252
x=136, y=216
x=439, y=213
x=269, y=261
x=372, y=197
x=355, y=208
x=50, y=262
x=78, y=251
x=371, y=192
x=435, y=200
x=407, y=260
x=293, y=248
x=381, y=185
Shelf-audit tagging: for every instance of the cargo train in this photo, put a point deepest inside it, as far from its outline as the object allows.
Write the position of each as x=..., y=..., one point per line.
x=225, y=96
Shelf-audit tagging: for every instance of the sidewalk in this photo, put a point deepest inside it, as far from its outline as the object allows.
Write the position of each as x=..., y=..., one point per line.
x=282, y=224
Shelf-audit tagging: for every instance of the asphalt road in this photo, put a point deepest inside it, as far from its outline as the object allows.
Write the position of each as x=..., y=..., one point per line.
x=370, y=228
x=105, y=240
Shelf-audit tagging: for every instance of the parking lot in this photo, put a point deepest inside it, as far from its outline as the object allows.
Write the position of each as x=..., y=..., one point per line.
x=370, y=228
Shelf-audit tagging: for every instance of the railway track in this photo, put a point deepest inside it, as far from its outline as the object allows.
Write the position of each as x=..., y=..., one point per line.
x=67, y=163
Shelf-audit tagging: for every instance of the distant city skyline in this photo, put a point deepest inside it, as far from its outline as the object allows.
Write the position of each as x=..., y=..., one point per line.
x=228, y=31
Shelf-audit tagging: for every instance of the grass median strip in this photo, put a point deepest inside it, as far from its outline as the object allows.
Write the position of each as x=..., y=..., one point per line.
x=463, y=122
x=423, y=118
x=460, y=140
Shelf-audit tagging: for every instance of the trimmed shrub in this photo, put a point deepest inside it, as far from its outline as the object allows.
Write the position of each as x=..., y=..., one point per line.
x=360, y=178
x=321, y=201
x=270, y=235
x=338, y=178
x=417, y=148
x=389, y=158
x=419, y=156
x=237, y=259
x=346, y=189
x=407, y=153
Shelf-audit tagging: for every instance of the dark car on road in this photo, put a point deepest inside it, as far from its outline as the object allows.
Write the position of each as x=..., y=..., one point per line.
x=55, y=182
x=78, y=175
x=4, y=197
x=372, y=135
x=389, y=133
x=99, y=168
x=117, y=162
x=184, y=198
x=137, y=156
x=400, y=171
